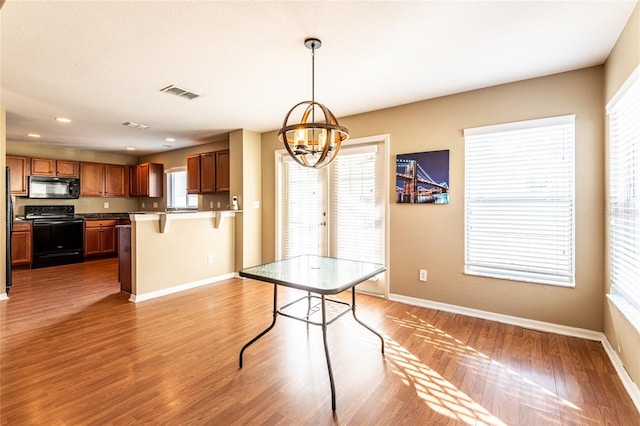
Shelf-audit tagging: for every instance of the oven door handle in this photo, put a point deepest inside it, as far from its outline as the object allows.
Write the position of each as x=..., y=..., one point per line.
x=56, y=222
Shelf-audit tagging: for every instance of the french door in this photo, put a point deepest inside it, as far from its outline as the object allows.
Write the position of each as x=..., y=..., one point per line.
x=337, y=211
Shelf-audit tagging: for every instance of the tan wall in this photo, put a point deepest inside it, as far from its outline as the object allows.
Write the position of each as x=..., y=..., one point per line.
x=432, y=236
x=621, y=333
x=179, y=256
x=246, y=184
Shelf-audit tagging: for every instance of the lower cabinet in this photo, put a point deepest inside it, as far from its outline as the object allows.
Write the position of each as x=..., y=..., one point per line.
x=100, y=237
x=21, y=244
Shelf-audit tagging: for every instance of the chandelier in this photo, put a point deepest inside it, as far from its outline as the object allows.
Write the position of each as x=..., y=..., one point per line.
x=315, y=140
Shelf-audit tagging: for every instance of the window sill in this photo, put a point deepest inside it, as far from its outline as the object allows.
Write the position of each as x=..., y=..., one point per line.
x=628, y=311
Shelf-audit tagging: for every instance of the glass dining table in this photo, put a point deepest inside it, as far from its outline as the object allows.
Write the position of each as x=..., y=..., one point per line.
x=320, y=277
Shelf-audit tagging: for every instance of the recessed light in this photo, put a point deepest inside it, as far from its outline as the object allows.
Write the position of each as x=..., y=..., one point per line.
x=170, y=139
x=130, y=148
x=33, y=135
x=63, y=120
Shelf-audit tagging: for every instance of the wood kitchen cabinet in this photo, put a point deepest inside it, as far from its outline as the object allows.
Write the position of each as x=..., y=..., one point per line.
x=19, y=173
x=208, y=173
x=115, y=180
x=91, y=179
x=51, y=167
x=146, y=180
x=193, y=174
x=222, y=171
x=21, y=244
x=103, y=180
x=99, y=237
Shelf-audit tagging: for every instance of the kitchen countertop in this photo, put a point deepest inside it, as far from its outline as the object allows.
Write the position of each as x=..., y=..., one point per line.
x=98, y=216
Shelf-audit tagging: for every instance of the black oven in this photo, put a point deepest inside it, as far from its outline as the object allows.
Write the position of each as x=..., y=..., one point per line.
x=58, y=236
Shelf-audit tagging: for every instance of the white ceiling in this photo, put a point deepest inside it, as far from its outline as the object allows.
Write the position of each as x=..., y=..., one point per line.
x=102, y=63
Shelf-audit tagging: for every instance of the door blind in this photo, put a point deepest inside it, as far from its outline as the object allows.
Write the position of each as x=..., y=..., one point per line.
x=356, y=219
x=519, y=201
x=624, y=193
x=303, y=211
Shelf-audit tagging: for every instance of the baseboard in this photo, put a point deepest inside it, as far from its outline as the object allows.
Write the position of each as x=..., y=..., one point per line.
x=507, y=319
x=627, y=381
x=631, y=388
x=136, y=298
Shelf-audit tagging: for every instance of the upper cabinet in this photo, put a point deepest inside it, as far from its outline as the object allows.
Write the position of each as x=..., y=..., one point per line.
x=91, y=179
x=19, y=171
x=103, y=180
x=115, y=180
x=51, y=167
x=145, y=180
x=193, y=174
x=222, y=171
x=208, y=173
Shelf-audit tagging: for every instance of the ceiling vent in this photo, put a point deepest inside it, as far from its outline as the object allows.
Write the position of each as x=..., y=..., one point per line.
x=135, y=125
x=179, y=91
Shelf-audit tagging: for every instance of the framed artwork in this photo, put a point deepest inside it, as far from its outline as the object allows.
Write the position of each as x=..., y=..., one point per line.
x=422, y=178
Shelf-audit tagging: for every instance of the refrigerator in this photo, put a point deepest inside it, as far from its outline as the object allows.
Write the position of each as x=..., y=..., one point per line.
x=9, y=227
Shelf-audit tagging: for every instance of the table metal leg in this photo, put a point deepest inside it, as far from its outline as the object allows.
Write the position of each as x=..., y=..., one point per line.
x=265, y=331
x=353, y=310
x=326, y=353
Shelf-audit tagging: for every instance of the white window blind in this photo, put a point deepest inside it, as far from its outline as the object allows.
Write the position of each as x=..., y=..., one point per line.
x=303, y=193
x=519, y=201
x=624, y=193
x=356, y=208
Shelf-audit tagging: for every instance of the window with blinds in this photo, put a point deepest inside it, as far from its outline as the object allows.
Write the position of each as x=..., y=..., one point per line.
x=303, y=211
x=624, y=195
x=356, y=230
x=519, y=201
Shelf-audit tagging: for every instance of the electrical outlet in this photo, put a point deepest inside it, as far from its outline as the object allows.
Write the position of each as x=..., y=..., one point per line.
x=218, y=204
x=106, y=205
x=143, y=204
x=210, y=259
x=423, y=275
x=210, y=204
x=155, y=205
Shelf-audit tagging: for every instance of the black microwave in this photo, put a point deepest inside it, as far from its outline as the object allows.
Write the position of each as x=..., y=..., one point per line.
x=53, y=187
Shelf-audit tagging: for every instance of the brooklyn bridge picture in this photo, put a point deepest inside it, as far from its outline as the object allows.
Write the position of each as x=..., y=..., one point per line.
x=423, y=178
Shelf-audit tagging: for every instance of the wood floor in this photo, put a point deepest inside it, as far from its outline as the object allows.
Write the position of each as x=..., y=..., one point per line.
x=74, y=351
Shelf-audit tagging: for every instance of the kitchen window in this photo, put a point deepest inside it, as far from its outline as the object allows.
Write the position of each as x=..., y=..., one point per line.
x=177, y=197
x=519, y=201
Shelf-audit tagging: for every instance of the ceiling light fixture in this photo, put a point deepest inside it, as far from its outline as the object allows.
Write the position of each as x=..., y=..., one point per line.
x=313, y=143
x=169, y=139
x=63, y=120
x=33, y=135
x=130, y=148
